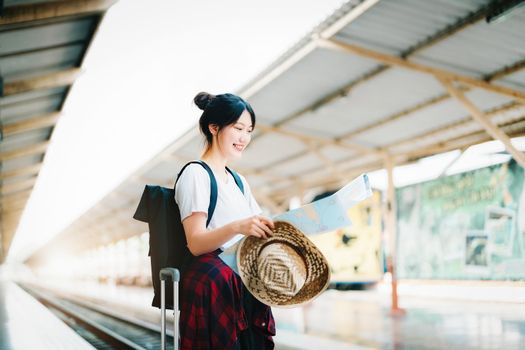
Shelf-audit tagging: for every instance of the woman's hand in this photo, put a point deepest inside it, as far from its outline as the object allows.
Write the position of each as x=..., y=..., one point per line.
x=258, y=226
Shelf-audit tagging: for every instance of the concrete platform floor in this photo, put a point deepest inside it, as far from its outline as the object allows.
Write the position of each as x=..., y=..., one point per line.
x=438, y=316
x=27, y=324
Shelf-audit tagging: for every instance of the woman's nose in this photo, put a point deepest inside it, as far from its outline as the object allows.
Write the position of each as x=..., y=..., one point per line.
x=245, y=137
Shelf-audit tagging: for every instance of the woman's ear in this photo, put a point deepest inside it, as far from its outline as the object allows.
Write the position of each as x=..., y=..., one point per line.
x=214, y=129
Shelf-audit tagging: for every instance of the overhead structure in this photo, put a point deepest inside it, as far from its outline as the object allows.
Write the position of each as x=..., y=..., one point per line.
x=42, y=46
x=377, y=84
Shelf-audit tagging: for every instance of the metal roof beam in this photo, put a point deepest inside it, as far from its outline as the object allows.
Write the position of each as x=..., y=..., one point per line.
x=328, y=163
x=377, y=163
x=7, y=235
x=317, y=139
x=43, y=98
x=481, y=118
x=15, y=199
x=492, y=76
x=452, y=162
x=436, y=148
x=29, y=170
x=15, y=194
x=506, y=71
x=45, y=48
x=432, y=40
x=50, y=10
x=48, y=81
x=262, y=173
x=277, y=71
x=326, y=182
x=307, y=139
x=307, y=49
x=437, y=72
x=10, y=208
x=463, y=141
x=437, y=37
x=455, y=125
x=6, y=189
x=39, y=148
x=293, y=180
x=333, y=182
x=396, y=116
x=43, y=121
x=13, y=213
x=245, y=172
x=8, y=228
x=352, y=15
x=11, y=224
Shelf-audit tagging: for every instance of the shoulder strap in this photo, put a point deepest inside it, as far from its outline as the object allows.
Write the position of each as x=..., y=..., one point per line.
x=213, y=187
x=237, y=179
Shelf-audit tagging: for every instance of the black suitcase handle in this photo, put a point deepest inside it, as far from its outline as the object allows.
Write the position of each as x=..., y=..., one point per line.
x=169, y=272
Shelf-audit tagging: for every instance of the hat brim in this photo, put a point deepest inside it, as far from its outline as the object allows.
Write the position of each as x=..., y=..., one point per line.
x=318, y=271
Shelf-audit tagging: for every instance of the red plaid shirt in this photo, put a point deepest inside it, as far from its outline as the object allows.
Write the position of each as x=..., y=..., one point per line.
x=213, y=309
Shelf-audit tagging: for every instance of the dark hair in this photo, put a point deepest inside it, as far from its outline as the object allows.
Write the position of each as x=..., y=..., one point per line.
x=221, y=110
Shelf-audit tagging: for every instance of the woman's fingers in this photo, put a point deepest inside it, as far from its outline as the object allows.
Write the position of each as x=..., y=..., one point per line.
x=258, y=226
x=259, y=232
x=264, y=224
x=266, y=229
x=267, y=221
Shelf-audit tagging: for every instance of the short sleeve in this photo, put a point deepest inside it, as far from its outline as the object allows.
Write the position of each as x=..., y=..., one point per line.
x=192, y=192
x=254, y=206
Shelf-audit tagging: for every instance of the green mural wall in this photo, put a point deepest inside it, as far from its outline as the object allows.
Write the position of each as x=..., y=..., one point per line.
x=464, y=226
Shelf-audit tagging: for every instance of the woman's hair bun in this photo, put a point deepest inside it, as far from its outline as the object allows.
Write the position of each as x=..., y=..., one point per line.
x=203, y=99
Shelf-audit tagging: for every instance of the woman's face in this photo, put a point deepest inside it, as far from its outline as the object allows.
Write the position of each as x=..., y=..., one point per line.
x=233, y=138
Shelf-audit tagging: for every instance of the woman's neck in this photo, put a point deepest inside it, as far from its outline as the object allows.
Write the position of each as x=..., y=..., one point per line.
x=215, y=161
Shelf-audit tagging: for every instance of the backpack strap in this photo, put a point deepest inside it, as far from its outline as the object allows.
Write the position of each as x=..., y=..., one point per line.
x=213, y=188
x=237, y=179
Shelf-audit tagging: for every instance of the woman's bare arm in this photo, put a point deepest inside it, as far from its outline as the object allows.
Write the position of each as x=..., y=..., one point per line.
x=201, y=241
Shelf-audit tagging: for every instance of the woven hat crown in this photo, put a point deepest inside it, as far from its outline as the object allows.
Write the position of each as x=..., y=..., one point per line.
x=285, y=270
x=281, y=268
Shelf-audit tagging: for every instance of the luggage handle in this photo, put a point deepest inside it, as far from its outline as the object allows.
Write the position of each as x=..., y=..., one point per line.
x=165, y=274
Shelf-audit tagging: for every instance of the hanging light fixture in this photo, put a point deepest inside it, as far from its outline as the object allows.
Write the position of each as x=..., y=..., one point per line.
x=501, y=10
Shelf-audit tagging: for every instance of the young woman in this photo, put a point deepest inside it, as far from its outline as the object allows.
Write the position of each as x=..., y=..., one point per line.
x=217, y=311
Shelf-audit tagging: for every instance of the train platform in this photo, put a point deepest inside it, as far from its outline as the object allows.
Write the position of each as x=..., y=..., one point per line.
x=438, y=316
x=27, y=324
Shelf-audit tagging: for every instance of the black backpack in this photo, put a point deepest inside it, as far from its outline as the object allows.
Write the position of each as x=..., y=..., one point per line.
x=167, y=240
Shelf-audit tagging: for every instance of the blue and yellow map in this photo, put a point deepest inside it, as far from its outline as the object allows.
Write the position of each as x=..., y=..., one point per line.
x=329, y=213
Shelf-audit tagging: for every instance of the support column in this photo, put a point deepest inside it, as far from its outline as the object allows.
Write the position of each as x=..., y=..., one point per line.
x=391, y=229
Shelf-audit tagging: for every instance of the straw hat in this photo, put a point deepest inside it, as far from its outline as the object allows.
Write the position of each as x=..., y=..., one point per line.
x=284, y=270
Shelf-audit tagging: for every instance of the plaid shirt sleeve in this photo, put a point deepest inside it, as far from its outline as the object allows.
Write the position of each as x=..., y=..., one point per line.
x=263, y=321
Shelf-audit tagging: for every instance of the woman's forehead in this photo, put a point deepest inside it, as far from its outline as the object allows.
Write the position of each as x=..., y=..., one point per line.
x=245, y=118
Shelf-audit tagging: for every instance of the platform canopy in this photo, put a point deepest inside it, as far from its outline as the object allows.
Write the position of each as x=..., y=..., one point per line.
x=378, y=82
x=42, y=46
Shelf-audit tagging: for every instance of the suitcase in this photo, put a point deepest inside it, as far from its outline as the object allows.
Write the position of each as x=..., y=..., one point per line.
x=167, y=274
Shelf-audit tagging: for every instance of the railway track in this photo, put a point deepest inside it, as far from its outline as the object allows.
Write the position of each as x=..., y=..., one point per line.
x=102, y=328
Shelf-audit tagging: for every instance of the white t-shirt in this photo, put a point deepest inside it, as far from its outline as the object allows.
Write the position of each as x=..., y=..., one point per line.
x=192, y=194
